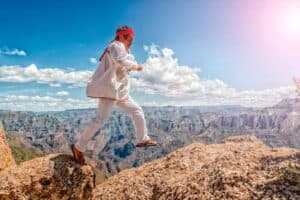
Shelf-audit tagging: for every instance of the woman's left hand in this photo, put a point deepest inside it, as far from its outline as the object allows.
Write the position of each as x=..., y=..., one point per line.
x=139, y=68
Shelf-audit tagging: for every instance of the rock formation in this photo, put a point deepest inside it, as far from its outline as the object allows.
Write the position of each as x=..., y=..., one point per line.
x=239, y=167
x=55, y=176
x=6, y=158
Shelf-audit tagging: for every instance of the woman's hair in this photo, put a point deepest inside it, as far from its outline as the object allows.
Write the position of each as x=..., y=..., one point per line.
x=122, y=28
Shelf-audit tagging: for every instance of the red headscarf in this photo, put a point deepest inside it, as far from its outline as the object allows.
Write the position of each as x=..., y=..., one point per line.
x=127, y=31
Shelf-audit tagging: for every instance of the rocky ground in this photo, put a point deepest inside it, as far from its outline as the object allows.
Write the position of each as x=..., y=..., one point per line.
x=239, y=167
x=55, y=176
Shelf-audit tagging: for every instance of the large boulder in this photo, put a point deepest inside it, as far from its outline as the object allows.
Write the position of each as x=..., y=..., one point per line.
x=239, y=167
x=55, y=176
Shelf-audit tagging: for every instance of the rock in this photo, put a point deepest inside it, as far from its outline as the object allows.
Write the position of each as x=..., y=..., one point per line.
x=237, y=168
x=55, y=176
x=6, y=157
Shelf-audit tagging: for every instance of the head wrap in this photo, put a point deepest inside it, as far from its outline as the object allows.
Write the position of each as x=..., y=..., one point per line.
x=127, y=31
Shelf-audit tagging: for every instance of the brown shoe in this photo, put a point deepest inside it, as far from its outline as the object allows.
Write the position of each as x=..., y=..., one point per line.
x=147, y=143
x=77, y=155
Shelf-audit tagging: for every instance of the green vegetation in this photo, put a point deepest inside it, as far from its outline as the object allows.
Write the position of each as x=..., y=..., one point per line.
x=21, y=150
x=22, y=154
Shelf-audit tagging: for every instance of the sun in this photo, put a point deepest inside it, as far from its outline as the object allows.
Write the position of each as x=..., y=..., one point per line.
x=292, y=21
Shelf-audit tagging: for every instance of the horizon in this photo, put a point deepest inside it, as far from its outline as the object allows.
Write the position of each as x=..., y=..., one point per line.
x=213, y=54
x=158, y=106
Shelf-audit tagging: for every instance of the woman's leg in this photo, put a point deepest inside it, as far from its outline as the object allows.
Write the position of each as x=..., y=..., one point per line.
x=136, y=113
x=103, y=112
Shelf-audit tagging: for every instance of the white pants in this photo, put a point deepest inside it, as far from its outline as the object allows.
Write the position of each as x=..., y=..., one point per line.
x=105, y=106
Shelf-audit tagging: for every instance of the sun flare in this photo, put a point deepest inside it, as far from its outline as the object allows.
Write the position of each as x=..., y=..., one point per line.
x=292, y=21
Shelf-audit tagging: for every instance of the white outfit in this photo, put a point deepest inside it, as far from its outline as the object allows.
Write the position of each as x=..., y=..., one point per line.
x=105, y=106
x=111, y=77
x=110, y=80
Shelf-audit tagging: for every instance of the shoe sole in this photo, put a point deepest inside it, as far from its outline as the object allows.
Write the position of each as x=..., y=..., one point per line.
x=77, y=160
x=145, y=145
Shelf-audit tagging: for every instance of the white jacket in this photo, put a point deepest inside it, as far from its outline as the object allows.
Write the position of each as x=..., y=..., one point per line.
x=110, y=80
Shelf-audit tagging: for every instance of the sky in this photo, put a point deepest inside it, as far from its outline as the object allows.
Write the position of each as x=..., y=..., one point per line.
x=194, y=53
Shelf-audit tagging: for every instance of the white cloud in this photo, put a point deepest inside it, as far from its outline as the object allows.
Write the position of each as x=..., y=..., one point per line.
x=93, y=60
x=152, y=50
x=54, y=84
x=62, y=93
x=163, y=75
x=17, y=52
x=51, y=76
x=43, y=103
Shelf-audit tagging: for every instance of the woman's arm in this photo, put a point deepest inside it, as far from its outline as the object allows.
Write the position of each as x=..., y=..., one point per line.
x=120, y=54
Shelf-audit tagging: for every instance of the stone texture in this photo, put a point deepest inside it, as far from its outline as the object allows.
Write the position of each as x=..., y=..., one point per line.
x=240, y=167
x=6, y=157
x=55, y=176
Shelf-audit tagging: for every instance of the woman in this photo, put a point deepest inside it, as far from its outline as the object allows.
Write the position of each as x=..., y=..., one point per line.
x=110, y=85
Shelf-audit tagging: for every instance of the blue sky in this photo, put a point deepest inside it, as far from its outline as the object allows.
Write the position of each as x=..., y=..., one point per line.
x=249, y=49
